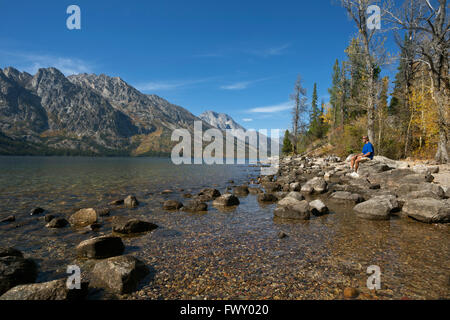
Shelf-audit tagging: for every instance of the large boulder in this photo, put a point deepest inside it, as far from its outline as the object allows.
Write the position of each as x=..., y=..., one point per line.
x=392, y=163
x=100, y=247
x=372, y=167
x=52, y=290
x=84, y=217
x=315, y=185
x=423, y=169
x=119, y=275
x=427, y=210
x=16, y=270
x=345, y=196
x=226, y=200
x=291, y=208
x=377, y=208
x=129, y=226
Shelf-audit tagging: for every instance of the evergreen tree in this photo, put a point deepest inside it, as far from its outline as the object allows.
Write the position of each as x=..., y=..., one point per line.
x=287, y=145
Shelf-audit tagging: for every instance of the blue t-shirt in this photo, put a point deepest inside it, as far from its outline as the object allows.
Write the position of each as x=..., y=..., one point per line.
x=368, y=147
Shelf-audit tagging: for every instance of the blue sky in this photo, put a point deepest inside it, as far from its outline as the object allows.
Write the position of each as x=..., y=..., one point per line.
x=237, y=57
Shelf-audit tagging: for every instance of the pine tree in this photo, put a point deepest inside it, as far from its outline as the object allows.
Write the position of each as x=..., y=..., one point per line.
x=287, y=145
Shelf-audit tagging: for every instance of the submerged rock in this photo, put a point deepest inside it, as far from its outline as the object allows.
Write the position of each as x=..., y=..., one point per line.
x=226, y=200
x=100, y=247
x=10, y=252
x=119, y=275
x=129, y=226
x=241, y=191
x=57, y=223
x=172, y=205
x=15, y=270
x=52, y=290
x=8, y=219
x=427, y=210
x=209, y=193
x=131, y=202
x=195, y=206
x=36, y=211
x=267, y=197
x=84, y=217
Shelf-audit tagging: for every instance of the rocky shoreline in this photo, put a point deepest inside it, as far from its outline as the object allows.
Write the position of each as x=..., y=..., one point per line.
x=303, y=188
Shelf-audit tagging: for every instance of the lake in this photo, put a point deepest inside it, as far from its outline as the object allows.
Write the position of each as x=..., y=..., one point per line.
x=231, y=254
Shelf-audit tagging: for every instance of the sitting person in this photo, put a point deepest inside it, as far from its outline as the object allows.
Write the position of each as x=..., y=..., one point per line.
x=367, y=154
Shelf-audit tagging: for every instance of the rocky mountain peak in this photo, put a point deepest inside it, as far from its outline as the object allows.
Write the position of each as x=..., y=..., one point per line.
x=220, y=120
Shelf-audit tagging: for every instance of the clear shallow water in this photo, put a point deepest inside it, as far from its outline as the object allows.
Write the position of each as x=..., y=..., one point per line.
x=219, y=254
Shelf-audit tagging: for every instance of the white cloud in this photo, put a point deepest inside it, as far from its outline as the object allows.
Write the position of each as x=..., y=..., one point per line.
x=168, y=85
x=242, y=84
x=247, y=120
x=273, y=109
x=268, y=52
x=31, y=62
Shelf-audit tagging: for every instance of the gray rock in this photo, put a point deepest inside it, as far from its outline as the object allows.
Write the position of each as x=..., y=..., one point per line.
x=15, y=270
x=434, y=188
x=129, y=226
x=295, y=195
x=290, y=208
x=318, y=208
x=100, y=247
x=377, y=208
x=226, y=200
x=52, y=290
x=84, y=217
x=131, y=202
x=315, y=185
x=427, y=210
x=345, y=196
x=172, y=205
x=119, y=275
x=48, y=217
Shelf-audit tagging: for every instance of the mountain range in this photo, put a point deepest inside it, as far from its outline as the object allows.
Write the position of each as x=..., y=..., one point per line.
x=87, y=114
